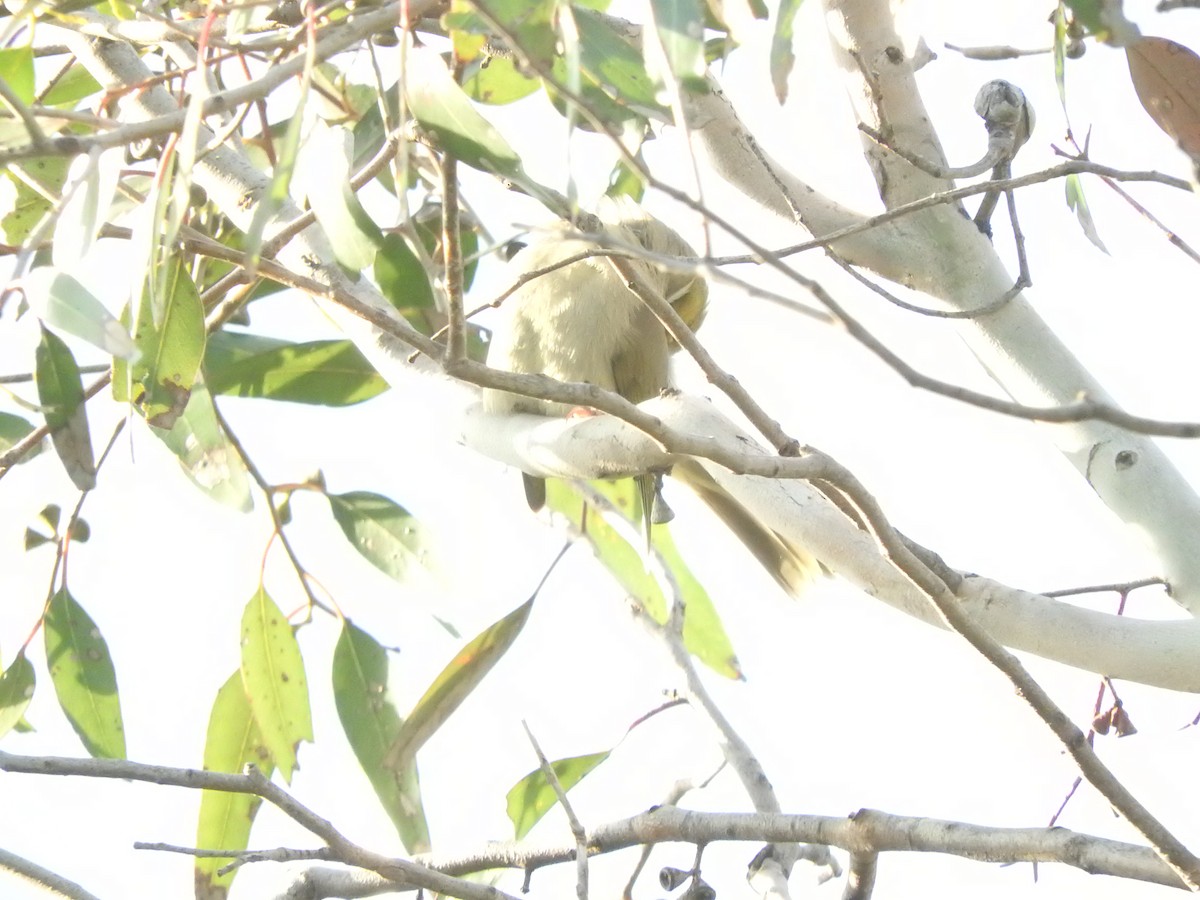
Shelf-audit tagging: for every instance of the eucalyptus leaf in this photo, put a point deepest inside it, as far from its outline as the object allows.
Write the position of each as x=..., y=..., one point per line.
x=454, y=684
x=783, y=57
x=83, y=675
x=679, y=27
x=22, y=205
x=1079, y=205
x=445, y=112
x=16, y=70
x=534, y=796
x=170, y=348
x=14, y=429
x=400, y=275
x=371, y=722
x=497, y=81
x=206, y=454
x=325, y=161
x=703, y=634
x=326, y=373
x=381, y=530
x=63, y=302
x=273, y=677
x=232, y=742
x=60, y=392
x=16, y=690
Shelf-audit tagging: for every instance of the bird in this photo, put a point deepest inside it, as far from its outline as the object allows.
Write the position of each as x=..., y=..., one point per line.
x=581, y=322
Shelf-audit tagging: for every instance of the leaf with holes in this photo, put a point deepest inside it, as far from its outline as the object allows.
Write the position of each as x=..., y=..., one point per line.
x=273, y=676
x=22, y=206
x=60, y=392
x=84, y=679
x=371, y=723
x=381, y=530
x=206, y=454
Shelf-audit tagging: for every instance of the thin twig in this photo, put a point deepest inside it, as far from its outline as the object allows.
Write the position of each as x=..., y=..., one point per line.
x=1172, y=851
x=577, y=829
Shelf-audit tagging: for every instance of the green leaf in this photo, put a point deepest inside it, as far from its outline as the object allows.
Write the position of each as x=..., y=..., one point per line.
x=703, y=634
x=233, y=740
x=171, y=348
x=381, y=530
x=1104, y=20
x=62, y=301
x=497, y=81
x=74, y=86
x=783, y=58
x=529, y=22
x=401, y=277
x=60, y=392
x=533, y=796
x=428, y=224
x=1078, y=202
x=273, y=676
x=454, y=683
x=371, y=723
x=13, y=430
x=207, y=456
x=444, y=111
x=16, y=69
x=16, y=690
x=613, y=65
x=1059, y=19
x=679, y=25
x=84, y=679
x=326, y=373
x=326, y=156
x=21, y=206
x=625, y=181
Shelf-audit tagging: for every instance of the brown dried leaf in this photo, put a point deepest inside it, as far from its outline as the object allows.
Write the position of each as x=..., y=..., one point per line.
x=1166, y=77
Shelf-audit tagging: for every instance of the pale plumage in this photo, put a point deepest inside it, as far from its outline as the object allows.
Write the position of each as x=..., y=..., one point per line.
x=582, y=323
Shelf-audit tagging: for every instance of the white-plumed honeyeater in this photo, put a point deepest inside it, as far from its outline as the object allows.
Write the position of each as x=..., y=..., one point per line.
x=582, y=323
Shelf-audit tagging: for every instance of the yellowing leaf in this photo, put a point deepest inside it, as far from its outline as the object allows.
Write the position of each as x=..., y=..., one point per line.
x=233, y=740
x=455, y=682
x=273, y=676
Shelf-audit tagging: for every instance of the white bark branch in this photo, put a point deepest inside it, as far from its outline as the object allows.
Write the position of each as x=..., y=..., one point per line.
x=940, y=251
x=1160, y=653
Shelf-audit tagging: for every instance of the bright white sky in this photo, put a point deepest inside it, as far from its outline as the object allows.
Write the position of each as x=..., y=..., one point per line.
x=847, y=703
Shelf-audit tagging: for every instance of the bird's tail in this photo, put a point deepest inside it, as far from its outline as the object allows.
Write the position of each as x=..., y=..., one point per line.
x=792, y=567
